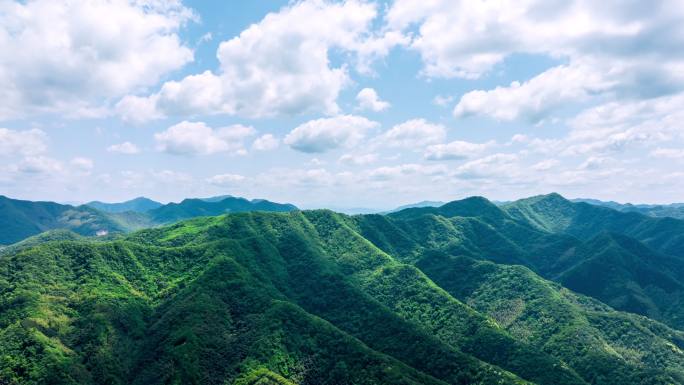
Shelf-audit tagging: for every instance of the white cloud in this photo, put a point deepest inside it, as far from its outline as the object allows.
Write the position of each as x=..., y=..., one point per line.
x=325, y=134
x=169, y=177
x=613, y=50
x=27, y=142
x=443, y=100
x=368, y=99
x=467, y=38
x=225, y=179
x=619, y=127
x=196, y=138
x=40, y=165
x=596, y=162
x=138, y=110
x=279, y=65
x=266, y=142
x=414, y=133
x=456, y=150
x=534, y=99
x=492, y=166
x=404, y=170
x=71, y=57
x=545, y=165
x=82, y=165
x=668, y=153
x=358, y=160
x=297, y=179
x=127, y=148
x=205, y=38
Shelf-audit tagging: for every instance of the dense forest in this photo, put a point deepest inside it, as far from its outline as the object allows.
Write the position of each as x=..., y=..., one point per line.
x=537, y=291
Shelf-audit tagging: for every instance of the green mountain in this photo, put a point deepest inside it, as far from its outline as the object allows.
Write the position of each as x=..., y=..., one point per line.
x=585, y=221
x=21, y=219
x=422, y=296
x=674, y=210
x=418, y=204
x=630, y=261
x=139, y=205
x=191, y=208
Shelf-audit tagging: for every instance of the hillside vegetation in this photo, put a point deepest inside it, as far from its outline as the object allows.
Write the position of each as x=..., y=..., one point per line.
x=21, y=219
x=465, y=293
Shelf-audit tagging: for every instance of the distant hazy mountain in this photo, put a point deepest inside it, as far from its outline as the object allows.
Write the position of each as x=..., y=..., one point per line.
x=190, y=208
x=674, y=210
x=354, y=210
x=139, y=205
x=217, y=198
x=21, y=219
x=418, y=205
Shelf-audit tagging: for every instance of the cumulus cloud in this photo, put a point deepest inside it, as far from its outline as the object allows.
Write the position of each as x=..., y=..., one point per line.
x=27, y=142
x=596, y=162
x=403, y=170
x=298, y=179
x=443, y=100
x=138, y=110
x=613, y=50
x=265, y=142
x=467, y=38
x=414, y=133
x=491, y=166
x=325, y=134
x=82, y=165
x=279, y=65
x=536, y=98
x=668, y=153
x=127, y=148
x=196, y=138
x=368, y=99
x=358, y=160
x=456, y=150
x=40, y=165
x=545, y=165
x=224, y=180
x=169, y=177
x=71, y=57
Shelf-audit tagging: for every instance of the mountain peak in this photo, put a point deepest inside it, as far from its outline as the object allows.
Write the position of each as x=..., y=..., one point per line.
x=553, y=197
x=475, y=206
x=139, y=204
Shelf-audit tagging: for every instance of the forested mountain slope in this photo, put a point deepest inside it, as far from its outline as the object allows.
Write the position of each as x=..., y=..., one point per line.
x=630, y=261
x=316, y=297
x=139, y=205
x=191, y=208
x=21, y=219
x=674, y=210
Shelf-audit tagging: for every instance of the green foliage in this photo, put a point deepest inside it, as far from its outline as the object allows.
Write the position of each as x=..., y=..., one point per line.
x=190, y=208
x=421, y=296
x=22, y=219
x=139, y=205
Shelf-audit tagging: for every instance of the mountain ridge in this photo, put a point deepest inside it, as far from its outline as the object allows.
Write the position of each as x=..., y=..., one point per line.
x=20, y=219
x=304, y=297
x=139, y=204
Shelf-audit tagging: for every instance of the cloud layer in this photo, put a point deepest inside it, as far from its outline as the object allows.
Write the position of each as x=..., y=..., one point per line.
x=71, y=57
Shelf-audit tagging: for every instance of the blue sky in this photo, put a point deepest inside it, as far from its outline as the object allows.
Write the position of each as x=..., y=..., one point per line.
x=341, y=103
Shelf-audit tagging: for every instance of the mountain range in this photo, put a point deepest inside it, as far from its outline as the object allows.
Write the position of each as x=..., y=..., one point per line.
x=140, y=205
x=537, y=291
x=674, y=210
x=20, y=219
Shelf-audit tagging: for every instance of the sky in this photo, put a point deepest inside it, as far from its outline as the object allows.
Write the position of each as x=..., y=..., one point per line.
x=342, y=104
